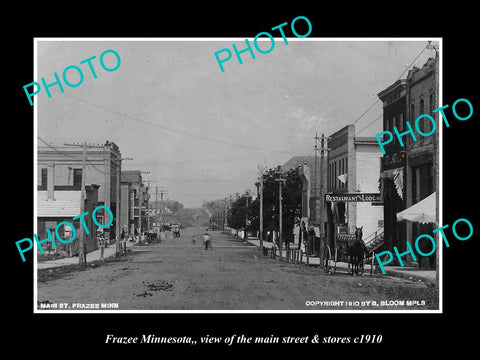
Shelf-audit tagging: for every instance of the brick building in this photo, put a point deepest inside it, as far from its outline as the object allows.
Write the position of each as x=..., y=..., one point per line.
x=58, y=203
x=408, y=171
x=103, y=166
x=131, y=198
x=421, y=98
x=392, y=176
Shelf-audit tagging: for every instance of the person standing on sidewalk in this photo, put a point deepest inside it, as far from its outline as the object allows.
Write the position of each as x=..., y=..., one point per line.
x=101, y=244
x=123, y=242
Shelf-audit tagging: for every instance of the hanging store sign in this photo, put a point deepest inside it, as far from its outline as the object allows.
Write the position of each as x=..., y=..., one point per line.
x=364, y=197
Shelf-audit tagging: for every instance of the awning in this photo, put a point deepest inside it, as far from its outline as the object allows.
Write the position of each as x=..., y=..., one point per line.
x=422, y=212
x=397, y=177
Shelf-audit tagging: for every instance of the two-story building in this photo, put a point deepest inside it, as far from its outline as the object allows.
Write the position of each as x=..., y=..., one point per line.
x=408, y=167
x=352, y=197
x=422, y=98
x=103, y=166
x=60, y=203
x=131, y=199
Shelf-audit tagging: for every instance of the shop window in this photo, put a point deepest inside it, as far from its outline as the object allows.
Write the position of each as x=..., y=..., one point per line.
x=77, y=177
x=44, y=176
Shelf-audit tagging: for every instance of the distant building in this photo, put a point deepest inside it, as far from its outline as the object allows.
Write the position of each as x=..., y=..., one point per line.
x=131, y=190
x=103, y=168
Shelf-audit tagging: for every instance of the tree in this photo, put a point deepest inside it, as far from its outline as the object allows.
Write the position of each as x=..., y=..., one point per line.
x=291, y=203
x=173, y=205
x=238, y=211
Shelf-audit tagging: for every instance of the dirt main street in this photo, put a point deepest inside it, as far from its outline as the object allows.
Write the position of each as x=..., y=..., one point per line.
x=179, y=275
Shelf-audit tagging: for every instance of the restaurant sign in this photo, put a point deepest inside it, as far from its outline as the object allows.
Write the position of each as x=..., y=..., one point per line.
x=356, y=197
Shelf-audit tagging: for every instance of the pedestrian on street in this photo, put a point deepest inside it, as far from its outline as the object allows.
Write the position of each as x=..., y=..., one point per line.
x=101, y=243
x=123, y=244
x=206, y=241
x=193, y=239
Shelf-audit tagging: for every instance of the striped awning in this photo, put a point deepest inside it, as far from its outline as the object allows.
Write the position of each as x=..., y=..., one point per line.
x=65, y=204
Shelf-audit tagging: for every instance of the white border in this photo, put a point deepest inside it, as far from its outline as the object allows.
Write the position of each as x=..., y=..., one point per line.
x=113, y=311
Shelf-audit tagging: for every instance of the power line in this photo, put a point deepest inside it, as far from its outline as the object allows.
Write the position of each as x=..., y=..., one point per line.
x=175, y=130
x=70, y=156
x=205, y=180
x=378, y=117
x=398, y=78
x=202, y=161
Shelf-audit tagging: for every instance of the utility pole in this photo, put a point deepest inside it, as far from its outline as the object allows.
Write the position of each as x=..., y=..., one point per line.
x=247, y=196
x=260, y=176
x=81, y=238
x=315, y=170
x=310, y=241
x=162, y=205
x=225, y=215
x=140, y=198
x=322, y=191
x=281, y=181
x=148, y=206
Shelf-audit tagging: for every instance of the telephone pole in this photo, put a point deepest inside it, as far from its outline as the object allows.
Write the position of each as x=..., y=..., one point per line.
x=261, y=171
x=322, y=214
x=247, y=196
x=315, y=171
x=140, y=198
x=280, y=181
x=225, y=215
x=156, y=200
x=81, y=238
x=161, y=191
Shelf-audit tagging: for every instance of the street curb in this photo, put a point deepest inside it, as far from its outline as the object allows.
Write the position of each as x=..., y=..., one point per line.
x=405, y=274
x=55, y=263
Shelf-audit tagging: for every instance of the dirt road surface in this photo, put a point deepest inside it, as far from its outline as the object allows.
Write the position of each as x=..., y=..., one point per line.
x=179, y=275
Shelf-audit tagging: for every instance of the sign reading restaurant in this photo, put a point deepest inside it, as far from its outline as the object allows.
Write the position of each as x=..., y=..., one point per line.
x=364, y=197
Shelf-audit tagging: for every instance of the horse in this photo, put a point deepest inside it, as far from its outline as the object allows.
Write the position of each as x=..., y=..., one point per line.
x=357, y=251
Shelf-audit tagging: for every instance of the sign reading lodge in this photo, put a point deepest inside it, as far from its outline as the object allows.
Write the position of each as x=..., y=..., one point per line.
x=364, y=197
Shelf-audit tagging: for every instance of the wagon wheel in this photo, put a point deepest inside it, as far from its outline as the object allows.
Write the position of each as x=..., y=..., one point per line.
x=327, y=258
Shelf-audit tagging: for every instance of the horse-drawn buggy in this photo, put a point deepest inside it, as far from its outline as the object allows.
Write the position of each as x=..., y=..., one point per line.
x=348, y=248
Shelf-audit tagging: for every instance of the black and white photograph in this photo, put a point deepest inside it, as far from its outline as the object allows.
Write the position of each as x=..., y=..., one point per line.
x=223, y=180
x=268, y=182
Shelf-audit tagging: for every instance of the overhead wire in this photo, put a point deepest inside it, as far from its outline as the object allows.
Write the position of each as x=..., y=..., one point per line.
x=371, y=106
x=70, y=156
x=178, y=131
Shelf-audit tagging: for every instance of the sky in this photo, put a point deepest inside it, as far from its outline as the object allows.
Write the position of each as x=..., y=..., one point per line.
x=202, y=133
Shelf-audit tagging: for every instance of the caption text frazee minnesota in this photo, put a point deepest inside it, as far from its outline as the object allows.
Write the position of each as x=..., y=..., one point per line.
x=242, y=339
